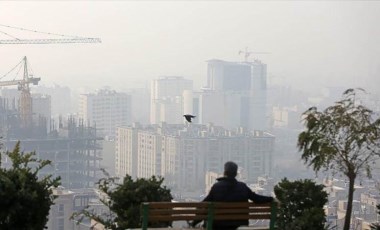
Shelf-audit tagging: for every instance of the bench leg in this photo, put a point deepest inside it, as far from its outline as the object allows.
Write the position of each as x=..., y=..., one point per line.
x=145, y=217
x=210, y=216
x=273, y=216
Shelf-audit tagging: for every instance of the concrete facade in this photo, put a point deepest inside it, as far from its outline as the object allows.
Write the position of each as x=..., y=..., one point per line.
x=182, y=154
x=237, y=94
x=106, y=109
x=167, y=99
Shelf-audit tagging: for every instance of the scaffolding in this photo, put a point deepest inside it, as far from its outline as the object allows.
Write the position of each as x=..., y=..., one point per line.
x=73, y=148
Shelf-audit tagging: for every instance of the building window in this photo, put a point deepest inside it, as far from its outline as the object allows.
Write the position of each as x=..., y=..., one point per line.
x=61, y=224
x=61, y=209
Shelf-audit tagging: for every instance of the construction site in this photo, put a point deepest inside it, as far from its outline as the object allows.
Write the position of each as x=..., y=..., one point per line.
x=73, y=147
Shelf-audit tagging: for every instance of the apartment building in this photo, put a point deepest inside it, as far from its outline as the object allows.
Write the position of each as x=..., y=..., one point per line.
x=182, y=154
x=106, y=109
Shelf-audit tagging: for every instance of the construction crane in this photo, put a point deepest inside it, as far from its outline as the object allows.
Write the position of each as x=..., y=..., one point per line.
x=23, y=85
x=25, y=99
x=248, y=53
x=63, y=38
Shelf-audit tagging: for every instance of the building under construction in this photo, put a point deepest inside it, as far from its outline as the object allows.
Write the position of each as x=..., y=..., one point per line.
x=73, y=148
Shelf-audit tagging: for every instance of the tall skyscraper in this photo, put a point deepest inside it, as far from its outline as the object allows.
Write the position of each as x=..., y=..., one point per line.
x=106, y=110
x=235, y=95
x=167, y=99
x=258, y=95
x=228, y=76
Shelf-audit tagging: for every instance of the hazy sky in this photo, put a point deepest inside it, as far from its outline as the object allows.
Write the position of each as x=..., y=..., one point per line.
x=311, y=43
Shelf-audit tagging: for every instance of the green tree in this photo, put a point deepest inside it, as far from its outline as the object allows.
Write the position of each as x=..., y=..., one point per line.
x=376, y=226
x=25, y=199
x=302, y=204
x=343, y=138
x=124, y=201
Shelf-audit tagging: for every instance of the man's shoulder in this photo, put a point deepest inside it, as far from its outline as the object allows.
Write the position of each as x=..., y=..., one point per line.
x=242, y=183
x=223, y=182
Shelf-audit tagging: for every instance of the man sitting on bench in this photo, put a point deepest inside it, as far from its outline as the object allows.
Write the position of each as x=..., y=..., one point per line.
x=228, y=189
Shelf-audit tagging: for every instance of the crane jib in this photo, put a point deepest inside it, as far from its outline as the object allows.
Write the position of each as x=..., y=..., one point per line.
x=50, y=41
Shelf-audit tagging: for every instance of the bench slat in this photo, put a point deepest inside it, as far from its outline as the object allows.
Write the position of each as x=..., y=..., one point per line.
x=154, y=205
x=200, y=212
x=204, y=211
x=175, y=218
x=239, y=205
x=157, y=205
x=204, y=217
x=215, y=211
x=158, y=212
x=242, y=217
x=251, y=210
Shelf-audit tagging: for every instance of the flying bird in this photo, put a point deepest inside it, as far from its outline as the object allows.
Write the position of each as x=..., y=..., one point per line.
x=189, y=117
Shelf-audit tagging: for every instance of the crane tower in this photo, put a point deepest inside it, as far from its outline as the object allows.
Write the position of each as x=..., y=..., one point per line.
x=23, y=85
x=25, y=99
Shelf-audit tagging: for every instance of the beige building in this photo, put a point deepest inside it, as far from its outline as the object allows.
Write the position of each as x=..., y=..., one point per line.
x=106, y=109
x=183, y=154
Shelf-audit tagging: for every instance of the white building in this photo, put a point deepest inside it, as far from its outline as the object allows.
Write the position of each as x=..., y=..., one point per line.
x=106, y=110
x=166, y=98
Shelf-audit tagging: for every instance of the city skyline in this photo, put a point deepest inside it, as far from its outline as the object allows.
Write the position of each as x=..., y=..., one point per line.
x=245, y=70
x=330, y=43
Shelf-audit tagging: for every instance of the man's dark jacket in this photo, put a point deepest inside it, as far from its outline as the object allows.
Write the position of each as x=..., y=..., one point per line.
x=230, y=190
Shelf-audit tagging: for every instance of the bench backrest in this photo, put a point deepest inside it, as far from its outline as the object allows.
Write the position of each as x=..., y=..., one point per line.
x=210, y=211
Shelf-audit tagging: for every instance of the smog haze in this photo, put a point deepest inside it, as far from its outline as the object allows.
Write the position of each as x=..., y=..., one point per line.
x=310, y=43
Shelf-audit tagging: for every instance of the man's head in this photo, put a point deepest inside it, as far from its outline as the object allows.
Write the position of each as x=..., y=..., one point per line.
x=230, y=169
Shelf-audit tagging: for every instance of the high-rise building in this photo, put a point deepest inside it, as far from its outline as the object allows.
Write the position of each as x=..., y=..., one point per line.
x=228, y=109
x=166, y=99
x=225, y=76
x=125, y=151
x=258, y=97
x=106, y=110
x=182, y=154
x=235, y=95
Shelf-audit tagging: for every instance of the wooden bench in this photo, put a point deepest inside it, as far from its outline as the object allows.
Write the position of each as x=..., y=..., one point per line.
x=155, y=212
